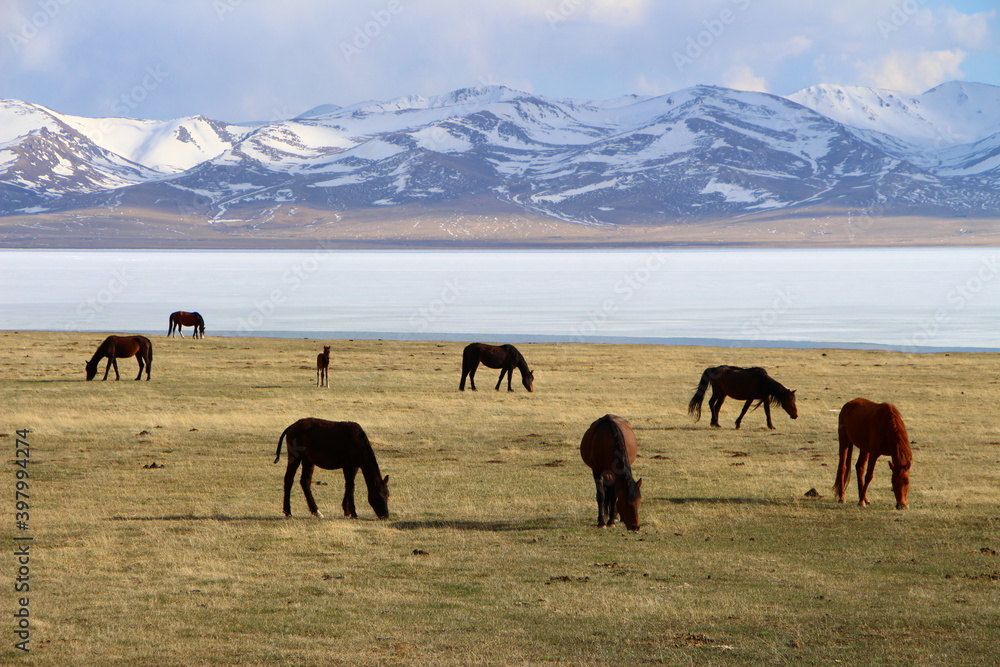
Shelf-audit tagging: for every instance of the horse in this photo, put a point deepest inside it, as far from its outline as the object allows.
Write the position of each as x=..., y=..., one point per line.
x=609, y=448
x=185, y=319
x=875, y=429
x=120, y=347
x=331, y=445
x=323, y=367
x=504, y=357
x=749, y=384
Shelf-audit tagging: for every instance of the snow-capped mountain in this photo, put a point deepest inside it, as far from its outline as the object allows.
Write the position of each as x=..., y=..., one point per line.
x=703, y=152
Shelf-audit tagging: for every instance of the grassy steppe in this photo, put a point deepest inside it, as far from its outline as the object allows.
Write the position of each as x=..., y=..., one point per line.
x=491, y=554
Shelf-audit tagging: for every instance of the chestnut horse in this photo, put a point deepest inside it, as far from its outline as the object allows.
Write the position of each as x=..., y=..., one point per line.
x=185, y=319
x=323, y=367
x=609, y=448
x=331, y=445
x=119, y=347
x=749, y=384
x=504, y=357
x=876, y=429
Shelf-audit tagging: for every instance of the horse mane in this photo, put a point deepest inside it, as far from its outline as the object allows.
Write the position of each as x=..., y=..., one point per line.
x=369, y=464
x=621, y=457
x=522, y=364
x=898, y=433
x=776, y=392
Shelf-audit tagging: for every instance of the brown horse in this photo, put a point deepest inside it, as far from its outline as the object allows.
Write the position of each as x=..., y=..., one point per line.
x=504, y=357
x=120, y=347
x=749, y=384
x=331, y=445
x=323, y=367
x=875, y=429
x=609, y=448
x=185, y=319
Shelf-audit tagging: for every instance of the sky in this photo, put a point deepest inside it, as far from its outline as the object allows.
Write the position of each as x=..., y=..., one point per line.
x=255, y=60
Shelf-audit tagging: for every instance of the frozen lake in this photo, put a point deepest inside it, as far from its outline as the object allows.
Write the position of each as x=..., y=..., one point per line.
x=899, y=298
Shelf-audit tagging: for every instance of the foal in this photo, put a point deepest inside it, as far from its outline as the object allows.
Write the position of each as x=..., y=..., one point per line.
x=323, y=367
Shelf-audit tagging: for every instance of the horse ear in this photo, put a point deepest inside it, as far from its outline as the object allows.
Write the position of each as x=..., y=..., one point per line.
x=386, y=480
x=638, y=483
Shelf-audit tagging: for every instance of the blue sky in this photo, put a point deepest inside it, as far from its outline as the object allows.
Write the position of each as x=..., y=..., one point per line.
x=240, y=60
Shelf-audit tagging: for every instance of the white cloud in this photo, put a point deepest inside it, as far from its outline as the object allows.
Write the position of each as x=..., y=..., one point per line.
x=741, y=77
x=970, y=30
x=913, y=71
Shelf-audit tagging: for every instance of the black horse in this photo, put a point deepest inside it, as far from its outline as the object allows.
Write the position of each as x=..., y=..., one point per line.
x=119, y=347
x=749, y=384
x=330, y=445
x=504, y=357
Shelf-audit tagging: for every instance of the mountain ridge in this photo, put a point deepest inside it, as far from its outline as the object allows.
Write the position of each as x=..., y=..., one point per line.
x=700, y=153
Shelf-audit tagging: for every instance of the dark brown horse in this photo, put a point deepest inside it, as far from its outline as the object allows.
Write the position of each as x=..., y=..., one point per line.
x=504, y=357
x=876, y=429
x=745, y=384
x=323, y=367
x=120, y=347
x=331, y=445
x=609, y=448
x=185, y=319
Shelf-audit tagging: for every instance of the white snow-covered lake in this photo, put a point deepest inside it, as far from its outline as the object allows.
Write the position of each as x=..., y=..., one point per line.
x=899, y=298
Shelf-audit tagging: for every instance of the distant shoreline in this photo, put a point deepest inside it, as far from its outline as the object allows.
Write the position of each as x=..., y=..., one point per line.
x=540, y=338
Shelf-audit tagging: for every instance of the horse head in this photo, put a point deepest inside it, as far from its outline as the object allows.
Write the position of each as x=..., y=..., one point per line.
x=900, y=483
x=378, y=498
x=628, y=505
x=528, y=380
x=91, y=370
x=788, y=403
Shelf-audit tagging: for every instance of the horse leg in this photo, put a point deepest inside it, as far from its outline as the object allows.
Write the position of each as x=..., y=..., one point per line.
x=471, y=372
x=746, y=406
x=843, y=468
x=859, y=468
x=306, y=482
x=873, y=459
x=767, y=413
x=293, y=465
x=715, y=405
x=500, y=379
x=610, y=499
x=601, y=505
x=142, y=365
x=348, y=504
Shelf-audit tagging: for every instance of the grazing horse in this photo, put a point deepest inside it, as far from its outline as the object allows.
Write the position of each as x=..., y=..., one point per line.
x=749, y=384
x=609, y=448
x=331, y=445
x=323, y=367
x=875, y=429
x=185, y=319
x=119, y=347
x=504, y=357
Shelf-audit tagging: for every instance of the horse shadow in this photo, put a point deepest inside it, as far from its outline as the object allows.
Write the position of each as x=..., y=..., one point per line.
x=195, y=517
x=549, y=523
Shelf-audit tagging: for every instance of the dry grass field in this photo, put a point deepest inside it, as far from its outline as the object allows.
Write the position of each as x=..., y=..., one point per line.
x=491, y=554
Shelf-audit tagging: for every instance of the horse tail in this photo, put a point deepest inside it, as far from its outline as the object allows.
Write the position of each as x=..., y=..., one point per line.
x=277, y=452
x=694, y=407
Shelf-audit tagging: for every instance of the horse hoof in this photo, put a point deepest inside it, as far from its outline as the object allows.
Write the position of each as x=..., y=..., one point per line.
x=318, y=514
